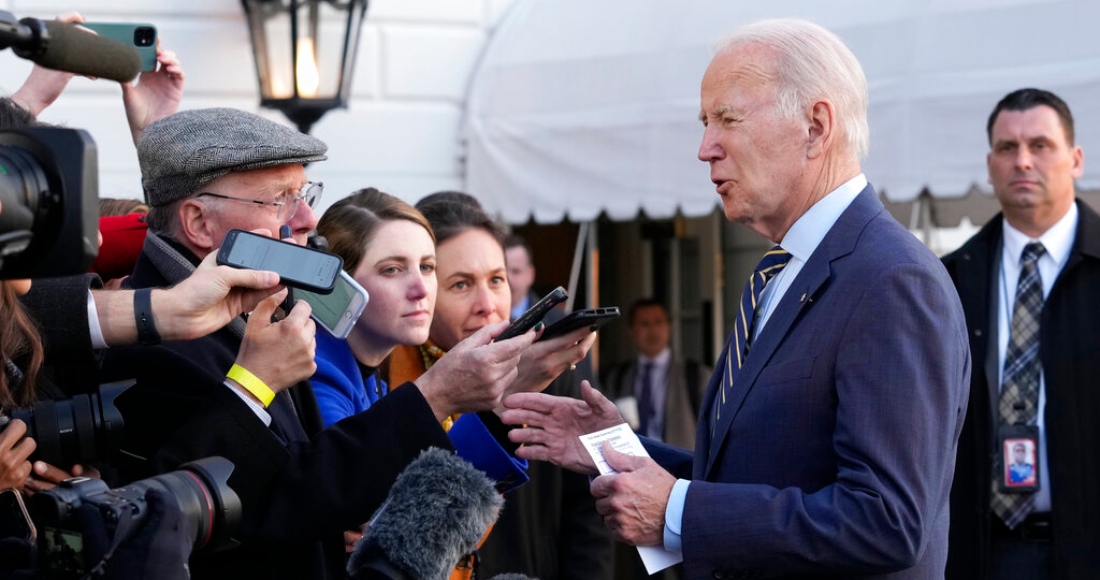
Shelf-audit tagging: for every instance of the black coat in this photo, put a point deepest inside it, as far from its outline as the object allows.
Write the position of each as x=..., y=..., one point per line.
x=1070, y=354
x=300, y=486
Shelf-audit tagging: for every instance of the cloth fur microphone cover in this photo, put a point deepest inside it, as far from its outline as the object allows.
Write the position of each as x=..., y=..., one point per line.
x=435, y=514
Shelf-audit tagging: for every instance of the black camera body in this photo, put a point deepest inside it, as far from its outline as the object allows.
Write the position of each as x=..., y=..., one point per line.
x=70, y=547
x=49, y=192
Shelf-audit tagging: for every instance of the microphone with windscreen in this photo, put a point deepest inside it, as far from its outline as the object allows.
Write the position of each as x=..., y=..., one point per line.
x=66, y=47
x=436, y=512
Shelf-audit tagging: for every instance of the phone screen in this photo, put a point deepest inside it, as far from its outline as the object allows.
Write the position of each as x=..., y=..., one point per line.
x=312, y=267
x=329, y=309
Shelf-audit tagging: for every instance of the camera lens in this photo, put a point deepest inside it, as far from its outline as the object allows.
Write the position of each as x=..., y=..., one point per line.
x=84, y=429
x=144, y=36
x=201, y=490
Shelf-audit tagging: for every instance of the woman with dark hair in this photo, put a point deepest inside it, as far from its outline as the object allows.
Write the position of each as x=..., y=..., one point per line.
x=474, y=292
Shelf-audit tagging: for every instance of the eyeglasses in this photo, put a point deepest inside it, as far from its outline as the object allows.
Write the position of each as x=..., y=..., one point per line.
x=287, y=204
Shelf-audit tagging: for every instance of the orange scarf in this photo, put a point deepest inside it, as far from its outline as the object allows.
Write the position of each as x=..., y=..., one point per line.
x=406, y=364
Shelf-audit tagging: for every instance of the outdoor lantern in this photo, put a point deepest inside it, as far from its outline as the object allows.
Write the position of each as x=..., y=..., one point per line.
x=305, y=54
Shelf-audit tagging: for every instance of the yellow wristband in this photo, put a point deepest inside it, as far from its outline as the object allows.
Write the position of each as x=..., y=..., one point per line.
x=252, y=384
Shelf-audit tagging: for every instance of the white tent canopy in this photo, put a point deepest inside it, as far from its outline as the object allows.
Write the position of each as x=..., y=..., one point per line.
x=580, y=107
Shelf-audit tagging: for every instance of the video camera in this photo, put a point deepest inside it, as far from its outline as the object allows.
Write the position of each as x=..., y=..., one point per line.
x=81, y=522
x=49, y=194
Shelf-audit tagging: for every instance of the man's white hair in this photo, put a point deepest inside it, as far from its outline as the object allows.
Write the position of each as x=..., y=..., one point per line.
x=812, y=63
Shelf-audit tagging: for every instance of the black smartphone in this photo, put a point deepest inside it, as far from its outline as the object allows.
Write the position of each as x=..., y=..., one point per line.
x=297, y=266
x=580, y=319
x=141, y=36
x=534, y=314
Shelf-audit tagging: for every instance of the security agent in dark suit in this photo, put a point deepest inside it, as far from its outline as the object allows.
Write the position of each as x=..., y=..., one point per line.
x=241, y=392
x=828, y=434
x=1052, y=531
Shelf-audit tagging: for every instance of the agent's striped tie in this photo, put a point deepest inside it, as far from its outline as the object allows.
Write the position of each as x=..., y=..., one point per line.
x=770, y=265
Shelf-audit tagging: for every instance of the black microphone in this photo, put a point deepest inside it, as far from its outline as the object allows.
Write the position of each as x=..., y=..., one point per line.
x=65, y=47
x=436, y=512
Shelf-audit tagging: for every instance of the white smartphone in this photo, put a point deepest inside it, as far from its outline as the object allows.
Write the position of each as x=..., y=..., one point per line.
x=338, y=310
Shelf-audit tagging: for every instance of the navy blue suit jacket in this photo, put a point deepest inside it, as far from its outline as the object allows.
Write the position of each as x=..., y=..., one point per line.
x=838, y=457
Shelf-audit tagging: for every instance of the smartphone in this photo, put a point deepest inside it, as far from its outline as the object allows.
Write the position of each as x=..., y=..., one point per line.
x=534, y=314
x=14, y=520
x=579, y=319
x=338, y=310
x=141, y=36
x=297, y=266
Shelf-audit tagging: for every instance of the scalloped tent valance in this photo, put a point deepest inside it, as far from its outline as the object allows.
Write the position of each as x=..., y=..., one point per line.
x=582, y=107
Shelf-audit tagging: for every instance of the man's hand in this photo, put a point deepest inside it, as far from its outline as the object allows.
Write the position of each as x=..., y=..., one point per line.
x=210, y=298
x=545, y=360
x=156, y=95
x=14, y=451
x=633, y=501
x=45, y=476
x=474, y=375
x=279, y=353
x=551, y=426
x=44, y=85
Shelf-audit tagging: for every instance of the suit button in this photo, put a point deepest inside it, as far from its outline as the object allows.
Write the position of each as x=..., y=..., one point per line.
x=718, y=575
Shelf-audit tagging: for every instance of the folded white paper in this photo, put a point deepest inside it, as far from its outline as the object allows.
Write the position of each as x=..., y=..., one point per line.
x=624, y=440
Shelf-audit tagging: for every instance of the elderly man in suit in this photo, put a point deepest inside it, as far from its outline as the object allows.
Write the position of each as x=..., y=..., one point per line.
x=828, y=433
x=1028, y=282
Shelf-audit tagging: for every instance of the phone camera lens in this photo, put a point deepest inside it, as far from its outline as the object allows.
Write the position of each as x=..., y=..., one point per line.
x=144, y=36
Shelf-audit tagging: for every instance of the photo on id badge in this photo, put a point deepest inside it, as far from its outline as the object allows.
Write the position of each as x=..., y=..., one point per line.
x=1019, y=461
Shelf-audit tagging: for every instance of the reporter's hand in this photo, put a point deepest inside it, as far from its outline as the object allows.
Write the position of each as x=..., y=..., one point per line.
x=474, y=375
x=211, y=298
x=549, y=427
x=44, y=85
x=279, y=353
x=44, y=476
x=543, y=361
x=14, y=451
x=156, y=95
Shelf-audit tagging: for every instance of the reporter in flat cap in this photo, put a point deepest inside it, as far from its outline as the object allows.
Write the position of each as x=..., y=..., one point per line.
x=242, y=392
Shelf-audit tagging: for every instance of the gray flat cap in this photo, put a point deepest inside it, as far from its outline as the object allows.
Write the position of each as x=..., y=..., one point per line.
x=181, y=153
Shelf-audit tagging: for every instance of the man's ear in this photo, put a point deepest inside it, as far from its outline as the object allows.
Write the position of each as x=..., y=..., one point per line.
x=197, y=226
x=822, y=129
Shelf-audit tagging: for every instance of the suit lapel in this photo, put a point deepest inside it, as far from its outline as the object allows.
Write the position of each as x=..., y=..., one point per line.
x=810, y=283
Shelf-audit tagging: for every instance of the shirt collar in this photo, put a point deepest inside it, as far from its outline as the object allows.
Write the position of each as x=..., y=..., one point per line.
x=1057, y=240
x=807, y=232
x=660, y=360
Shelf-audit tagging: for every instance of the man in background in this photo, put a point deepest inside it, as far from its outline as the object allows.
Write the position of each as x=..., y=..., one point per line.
x=1029, y=282
x=521, y=275
x=664, y=387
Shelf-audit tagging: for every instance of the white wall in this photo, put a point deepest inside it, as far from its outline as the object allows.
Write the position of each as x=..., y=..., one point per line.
x=399, y=133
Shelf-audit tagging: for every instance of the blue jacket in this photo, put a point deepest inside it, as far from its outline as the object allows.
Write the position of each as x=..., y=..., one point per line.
x=341, y=392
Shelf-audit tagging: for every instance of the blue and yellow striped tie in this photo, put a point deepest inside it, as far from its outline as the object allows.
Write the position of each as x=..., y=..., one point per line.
x=770, y=265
